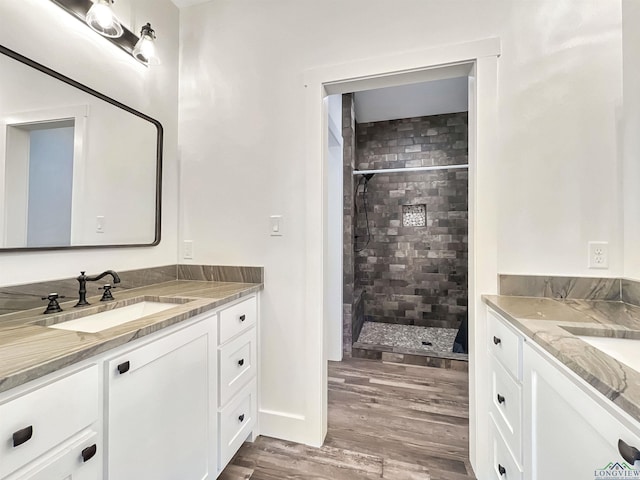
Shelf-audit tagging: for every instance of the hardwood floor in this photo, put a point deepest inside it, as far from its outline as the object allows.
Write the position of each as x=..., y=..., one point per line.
x=386, y=421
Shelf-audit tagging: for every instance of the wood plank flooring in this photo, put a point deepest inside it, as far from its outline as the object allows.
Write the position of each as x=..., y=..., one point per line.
x=386, y=421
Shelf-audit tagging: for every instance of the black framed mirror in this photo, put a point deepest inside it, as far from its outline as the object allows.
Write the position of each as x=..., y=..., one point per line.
x=78, y=169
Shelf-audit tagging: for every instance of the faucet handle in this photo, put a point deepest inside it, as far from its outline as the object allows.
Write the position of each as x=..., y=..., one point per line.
x=54, y=306
x=106, y=296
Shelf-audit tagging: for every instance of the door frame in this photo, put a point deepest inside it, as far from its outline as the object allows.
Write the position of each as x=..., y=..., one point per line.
x=409, y=67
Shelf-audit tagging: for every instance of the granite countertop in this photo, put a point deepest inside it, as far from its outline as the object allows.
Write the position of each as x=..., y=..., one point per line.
x=553, y=325
x=29, y=349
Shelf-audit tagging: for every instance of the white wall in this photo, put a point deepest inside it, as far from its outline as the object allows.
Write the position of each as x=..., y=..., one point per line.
x=42, y=31
x=631, y=144
x=241, y=136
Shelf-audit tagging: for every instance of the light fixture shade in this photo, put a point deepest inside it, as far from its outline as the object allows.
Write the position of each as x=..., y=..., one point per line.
x=145, y=49
x=101, y=18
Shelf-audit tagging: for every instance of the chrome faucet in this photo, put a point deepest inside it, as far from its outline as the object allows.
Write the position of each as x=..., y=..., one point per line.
x=83, y=279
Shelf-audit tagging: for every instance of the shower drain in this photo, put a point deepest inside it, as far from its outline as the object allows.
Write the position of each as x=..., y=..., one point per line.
x=427, y=344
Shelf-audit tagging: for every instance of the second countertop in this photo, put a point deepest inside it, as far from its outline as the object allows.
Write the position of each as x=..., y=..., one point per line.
x=555, y=325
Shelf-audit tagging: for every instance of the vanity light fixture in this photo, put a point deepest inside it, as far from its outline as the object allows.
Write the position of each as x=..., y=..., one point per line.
x=101, y=18
x=145, y=49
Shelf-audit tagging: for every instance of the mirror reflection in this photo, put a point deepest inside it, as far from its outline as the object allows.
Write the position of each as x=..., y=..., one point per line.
x=75, y=169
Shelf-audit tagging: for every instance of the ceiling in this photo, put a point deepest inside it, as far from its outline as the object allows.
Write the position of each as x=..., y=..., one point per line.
x=434, y=97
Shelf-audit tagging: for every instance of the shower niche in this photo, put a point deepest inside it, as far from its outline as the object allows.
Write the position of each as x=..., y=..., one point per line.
x=414, y=215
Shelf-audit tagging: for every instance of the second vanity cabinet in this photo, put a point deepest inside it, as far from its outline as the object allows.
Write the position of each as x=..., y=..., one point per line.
x=176, y=404
x=505, y=410
x=545, y=421
x=570, y=432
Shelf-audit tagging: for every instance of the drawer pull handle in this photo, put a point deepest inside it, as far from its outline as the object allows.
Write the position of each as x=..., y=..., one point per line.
x=124, y=367
x=22, y=436
x=500, y=399
x=501, y=470
x=496, y=340
x=241, y=418
x=630, y=454
x=241, y=362
x=243, y=317
x=89, y=452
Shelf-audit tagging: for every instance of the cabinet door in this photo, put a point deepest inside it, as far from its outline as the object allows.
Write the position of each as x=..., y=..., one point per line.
x=160, y=399
x=80, y=460
x=568, y=434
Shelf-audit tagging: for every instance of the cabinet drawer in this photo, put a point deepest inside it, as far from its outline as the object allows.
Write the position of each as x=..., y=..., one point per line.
x=503, y=466
x=236, y=421
x=79, y=459
x=505, y=344
x=237, y=318
x=237, y=365
x=46, y=417
x=506, y=406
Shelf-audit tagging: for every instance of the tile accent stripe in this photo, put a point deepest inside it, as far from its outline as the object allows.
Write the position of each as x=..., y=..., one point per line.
x=561, y=287
x=221, y=273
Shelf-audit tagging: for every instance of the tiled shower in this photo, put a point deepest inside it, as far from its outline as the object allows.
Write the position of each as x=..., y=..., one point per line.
x=406, y=239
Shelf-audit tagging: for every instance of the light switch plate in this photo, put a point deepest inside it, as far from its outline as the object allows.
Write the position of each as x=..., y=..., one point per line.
x=275, y=225
x=100, y=224
x=187, y=251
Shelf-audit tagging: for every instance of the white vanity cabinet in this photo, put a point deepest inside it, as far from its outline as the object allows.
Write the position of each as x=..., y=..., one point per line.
x=546, y=423
x=505, y=411
x=572, y=430
x=173, y=405
x=47, y=427
x=159, y=421
x=237, y=377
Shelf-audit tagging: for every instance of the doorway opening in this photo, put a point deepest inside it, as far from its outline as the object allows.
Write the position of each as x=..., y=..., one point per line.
x=404, y=220
x=39, y=182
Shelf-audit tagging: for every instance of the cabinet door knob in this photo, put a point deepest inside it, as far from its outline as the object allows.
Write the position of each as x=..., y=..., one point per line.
x=241, y=418
x=629, y=453
x=89, y=452
x=22, y=436
x=124, y=367
x=501, y=470
x=243, y=318
x=496, y=340
x=241, y=362
x=500, y=399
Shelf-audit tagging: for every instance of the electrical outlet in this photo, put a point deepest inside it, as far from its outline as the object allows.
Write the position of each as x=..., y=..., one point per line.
x=598, y=255
x=187, y=251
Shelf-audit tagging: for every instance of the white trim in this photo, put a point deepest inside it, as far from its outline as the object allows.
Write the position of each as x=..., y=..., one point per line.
x=273, y=424
x=320, y=82
x=411, y=169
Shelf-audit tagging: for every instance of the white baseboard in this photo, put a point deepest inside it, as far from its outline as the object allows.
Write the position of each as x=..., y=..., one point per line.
x=283, y=425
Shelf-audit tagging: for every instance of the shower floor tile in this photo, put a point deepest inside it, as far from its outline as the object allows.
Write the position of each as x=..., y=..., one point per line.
x=409, y=337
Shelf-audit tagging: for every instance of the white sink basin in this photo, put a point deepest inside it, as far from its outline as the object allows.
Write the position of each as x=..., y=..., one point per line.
x=112, y=318
x=625, y=350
